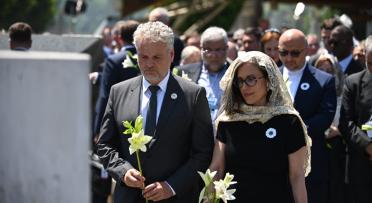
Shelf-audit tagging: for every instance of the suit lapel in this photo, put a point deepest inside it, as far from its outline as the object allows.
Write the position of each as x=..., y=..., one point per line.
x=134, y=98
x=303, y=87
x=171, y=96
x=196, y=72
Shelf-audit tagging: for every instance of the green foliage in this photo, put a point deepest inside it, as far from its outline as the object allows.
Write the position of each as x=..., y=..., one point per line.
x=225, y=19
x=328, y=12
x=37, y=13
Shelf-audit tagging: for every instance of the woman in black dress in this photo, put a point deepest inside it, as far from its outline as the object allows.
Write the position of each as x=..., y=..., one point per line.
x=261, y=138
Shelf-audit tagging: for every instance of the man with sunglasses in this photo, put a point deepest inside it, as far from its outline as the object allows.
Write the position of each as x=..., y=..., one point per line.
x=341, y=45
x=313, y=94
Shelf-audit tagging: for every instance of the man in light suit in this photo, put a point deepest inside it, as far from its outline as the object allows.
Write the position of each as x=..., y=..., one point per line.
x=313, y=93
x=213, y=66
x=182, y=141
x=356, y=110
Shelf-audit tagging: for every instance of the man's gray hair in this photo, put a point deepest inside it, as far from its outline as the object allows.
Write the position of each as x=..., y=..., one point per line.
x=212, y=34
x=159, y=14
x=368, y=45
x=188, y=51
x=155, y=32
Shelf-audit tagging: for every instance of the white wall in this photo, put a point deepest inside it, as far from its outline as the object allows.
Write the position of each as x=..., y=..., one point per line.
x=44, y=127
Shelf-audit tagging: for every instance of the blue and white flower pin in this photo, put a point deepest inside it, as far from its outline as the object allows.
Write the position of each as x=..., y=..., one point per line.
x=271, y=133
x=174, y=96
x=305, y=86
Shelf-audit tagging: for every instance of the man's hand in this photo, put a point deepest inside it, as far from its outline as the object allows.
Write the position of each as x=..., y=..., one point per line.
x=134, y=179
x=333, y=132
x=157, y=191
x=93, y=77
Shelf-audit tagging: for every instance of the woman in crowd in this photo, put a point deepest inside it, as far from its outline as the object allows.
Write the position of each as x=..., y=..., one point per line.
x=329, y=64
x=261, y=138
x=270, y=41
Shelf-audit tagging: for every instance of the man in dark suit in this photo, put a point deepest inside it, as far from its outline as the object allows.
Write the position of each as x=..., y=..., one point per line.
x=114, y=72
x=314, y=95
x=213, y=66
x=177, y=117
x=356, y=110
x=341, y=45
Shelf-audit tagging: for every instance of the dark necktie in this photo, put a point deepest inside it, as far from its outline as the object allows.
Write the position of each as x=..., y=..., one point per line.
x=151, y=111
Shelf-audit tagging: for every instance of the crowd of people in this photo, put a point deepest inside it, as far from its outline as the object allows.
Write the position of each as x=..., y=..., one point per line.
x=289, y=114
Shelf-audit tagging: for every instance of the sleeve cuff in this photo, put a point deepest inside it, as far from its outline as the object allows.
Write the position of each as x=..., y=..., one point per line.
x=173, y=192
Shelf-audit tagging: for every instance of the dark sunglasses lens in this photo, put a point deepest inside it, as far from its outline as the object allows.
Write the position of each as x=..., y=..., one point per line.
x=295, y=53
x=283, y=53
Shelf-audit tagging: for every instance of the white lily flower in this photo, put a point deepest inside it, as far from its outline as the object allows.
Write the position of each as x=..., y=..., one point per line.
x=208, y=176
x=138, y=141
x=228, y=180
x=207, y=179
x=222, y=192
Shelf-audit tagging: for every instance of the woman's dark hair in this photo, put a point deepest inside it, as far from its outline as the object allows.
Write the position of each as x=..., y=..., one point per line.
x=232, y=98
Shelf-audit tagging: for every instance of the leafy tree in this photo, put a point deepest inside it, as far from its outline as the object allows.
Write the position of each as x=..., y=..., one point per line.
x=37, y=13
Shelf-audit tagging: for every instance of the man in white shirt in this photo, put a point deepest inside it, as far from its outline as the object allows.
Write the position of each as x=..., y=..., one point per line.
x=175, y=113
x=341, y=45
x=314, y=96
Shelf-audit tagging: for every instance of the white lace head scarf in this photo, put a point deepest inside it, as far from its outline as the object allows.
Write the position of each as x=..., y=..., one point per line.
x=279, y=102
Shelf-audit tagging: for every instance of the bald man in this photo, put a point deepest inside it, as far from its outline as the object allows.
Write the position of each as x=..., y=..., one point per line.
x=313, y=94
x=161, y=14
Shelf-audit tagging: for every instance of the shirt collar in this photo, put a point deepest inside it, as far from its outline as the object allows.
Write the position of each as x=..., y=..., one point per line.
x=162, y=84
x=205, y=70
x=345, y=62
x=299, y=72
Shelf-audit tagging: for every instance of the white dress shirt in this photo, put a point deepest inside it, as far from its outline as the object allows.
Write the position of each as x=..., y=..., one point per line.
x=146, y=94
x=292, y=80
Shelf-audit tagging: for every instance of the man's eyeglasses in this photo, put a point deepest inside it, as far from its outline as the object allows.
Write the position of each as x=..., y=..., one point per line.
x=294, y=53
x=250, y=81
x=211, y=51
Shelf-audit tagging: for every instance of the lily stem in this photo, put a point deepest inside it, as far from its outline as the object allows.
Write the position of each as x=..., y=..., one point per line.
x=139, y=165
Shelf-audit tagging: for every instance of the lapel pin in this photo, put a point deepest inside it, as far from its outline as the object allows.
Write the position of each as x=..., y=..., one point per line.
x=271, y=133
x=305, y=86
x=174, y=96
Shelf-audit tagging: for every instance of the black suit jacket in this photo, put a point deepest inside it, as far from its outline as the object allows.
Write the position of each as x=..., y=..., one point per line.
x=353, y=67
x=356, y=110
x=183, y=140
x=317, y=106
x=113, y=72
